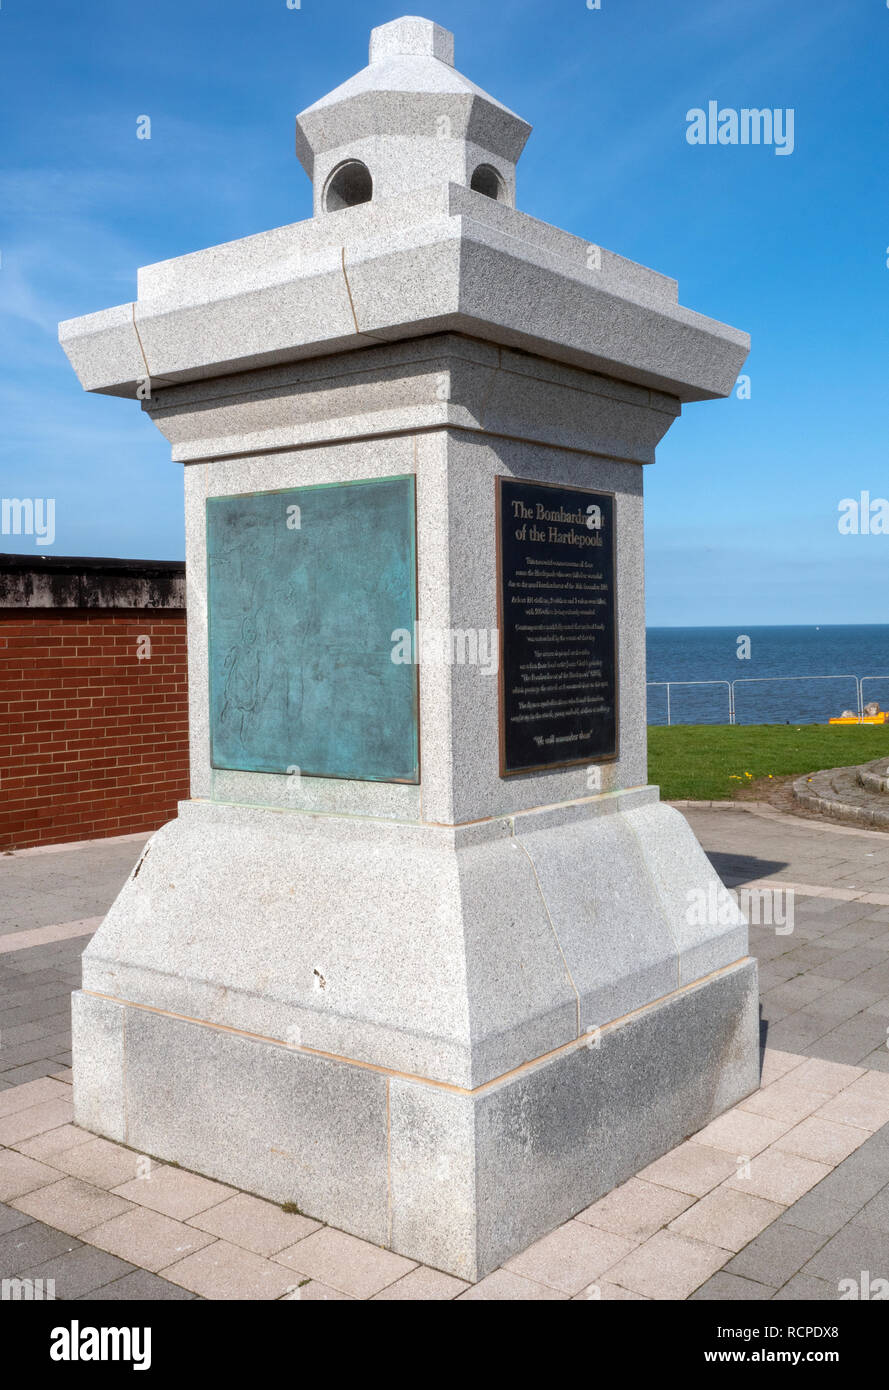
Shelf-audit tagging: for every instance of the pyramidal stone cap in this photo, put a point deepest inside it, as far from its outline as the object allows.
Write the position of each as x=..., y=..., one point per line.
x=415, y=231
x=407, y=120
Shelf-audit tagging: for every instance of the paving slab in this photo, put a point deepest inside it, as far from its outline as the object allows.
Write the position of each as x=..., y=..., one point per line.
x=47, y=1146
x=311, y=1291
x=778, y=1176
x=804, y=1289
x=71, y=1205
x=147, y=1239
x=354, y=1266
x=32, y=1245
x=570, y=1257
x=424, y=1285
x=636, y=1209
x=847, y=1255
x=224, y=1271
x=37, y=1119
x=727, y=1218
x=10, y=1219
x=254, y=1224
x=875, y=1213
x=604, y=1292
x=727, y=1288
x=19, y=1174
x=692, y=1168
x=504, y=1286
x=777, y=1254
x=822, y=1140
x=138, y=1286
x=102, y=1162
x=668, y=1266
x=79, y=1272
x=174, y=1192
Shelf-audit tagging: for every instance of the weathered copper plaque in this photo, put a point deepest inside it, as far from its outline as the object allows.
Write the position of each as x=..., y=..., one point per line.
x=306, y=590
x=558, y=647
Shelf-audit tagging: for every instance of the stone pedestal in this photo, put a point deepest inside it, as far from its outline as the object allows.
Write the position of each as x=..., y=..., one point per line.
x=443, y=1011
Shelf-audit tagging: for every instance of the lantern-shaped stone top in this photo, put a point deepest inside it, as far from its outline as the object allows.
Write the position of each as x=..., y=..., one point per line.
x=406, y=121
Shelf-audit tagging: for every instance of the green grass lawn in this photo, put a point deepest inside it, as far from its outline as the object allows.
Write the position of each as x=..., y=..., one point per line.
x=715, y=762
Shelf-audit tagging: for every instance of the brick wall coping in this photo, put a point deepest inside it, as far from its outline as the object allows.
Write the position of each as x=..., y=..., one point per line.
x=66, y=581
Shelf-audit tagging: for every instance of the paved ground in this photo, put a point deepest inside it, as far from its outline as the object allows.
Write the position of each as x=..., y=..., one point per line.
x=783, y=1197
x=825, y=985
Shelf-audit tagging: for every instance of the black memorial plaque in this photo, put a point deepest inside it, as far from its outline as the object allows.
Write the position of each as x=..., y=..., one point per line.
x=558, y=636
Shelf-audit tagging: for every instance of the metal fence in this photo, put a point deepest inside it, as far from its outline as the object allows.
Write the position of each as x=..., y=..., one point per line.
x=859, y=682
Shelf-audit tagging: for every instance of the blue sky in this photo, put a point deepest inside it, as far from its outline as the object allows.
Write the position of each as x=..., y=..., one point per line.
x=742, y=506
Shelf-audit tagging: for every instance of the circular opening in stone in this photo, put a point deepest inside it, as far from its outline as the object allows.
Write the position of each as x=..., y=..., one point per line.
x=348, y=185
x=486, y=180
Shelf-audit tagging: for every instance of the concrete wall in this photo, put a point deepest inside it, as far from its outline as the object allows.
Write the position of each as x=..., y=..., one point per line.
x=93, y=717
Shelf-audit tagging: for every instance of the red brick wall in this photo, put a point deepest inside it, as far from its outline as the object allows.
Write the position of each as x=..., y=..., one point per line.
x=93, y=741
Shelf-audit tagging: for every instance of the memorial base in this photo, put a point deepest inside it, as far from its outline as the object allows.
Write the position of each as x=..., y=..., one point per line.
x=443, y=1040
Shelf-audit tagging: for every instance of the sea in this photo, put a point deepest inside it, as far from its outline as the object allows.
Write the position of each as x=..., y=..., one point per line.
x=778, y=675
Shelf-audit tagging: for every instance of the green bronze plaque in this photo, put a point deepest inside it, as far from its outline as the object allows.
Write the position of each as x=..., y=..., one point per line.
x=305, y=589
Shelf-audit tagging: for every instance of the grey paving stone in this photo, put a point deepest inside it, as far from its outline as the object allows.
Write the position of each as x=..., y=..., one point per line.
x=849, y=999
x=140, y=1285
x=11, y=1220
x=773, y=1010
x=31, y=1072
x=776, y=1254
x=44, y=1004
x=873, y=1149
x=802, y=1288
x=875, y=1213
x=808, y=957
x=877, y=1061
x=847, y=1254
x=42, y=889
x=851, y=963
x=840, y=914
x=820, y=1213
x=775, y=972
x=834, y=1011
x=12, y=1057
x=832, y=1048
x=35, y=972
x=81, y=1271
x=727, y=1287
x=861, y=933
x=40, y=1028
x=855, y=1181
x=26, y=1011
x=30, y=1245
x=864, y=1027
x=794, y=1033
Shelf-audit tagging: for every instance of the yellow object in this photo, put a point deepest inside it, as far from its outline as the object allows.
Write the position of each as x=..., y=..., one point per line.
x=881, y=718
